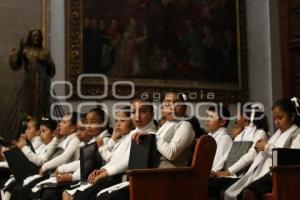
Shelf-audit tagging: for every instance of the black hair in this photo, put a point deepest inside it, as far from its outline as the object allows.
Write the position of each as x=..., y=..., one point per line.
x=260, y=120
x=146, y=99
x=125, y=110
x=83, y=118
x=289, y=107
x=74, y=118
x=36, y=122
x=102, y=115
x=222, y=111
x=49, y=123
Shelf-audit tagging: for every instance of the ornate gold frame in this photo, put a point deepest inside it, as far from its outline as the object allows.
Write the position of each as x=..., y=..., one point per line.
x=222, y=92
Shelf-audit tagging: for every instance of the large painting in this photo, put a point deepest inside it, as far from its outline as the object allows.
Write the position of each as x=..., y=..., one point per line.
x=192, y=46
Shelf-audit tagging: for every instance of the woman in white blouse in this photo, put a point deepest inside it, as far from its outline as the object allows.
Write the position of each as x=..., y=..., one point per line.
x=258, y=178
x=255, y=128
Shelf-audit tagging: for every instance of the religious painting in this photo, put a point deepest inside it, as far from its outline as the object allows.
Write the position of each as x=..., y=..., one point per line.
x=191, y=46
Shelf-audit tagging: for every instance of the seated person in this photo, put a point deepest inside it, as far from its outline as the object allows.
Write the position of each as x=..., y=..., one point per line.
x=226, y=171
x=235, y=130
x=111, y=173
x=258, y=178
x=174, y=142
x=40, y=156
x=70, y=172
x=31, y=134
x=66, y=140
x=216, y=123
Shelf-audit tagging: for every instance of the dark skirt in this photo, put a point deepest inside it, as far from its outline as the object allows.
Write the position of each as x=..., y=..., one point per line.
x=91, y=192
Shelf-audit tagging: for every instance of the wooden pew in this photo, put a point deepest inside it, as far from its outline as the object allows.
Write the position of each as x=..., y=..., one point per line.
x=285, y=183
x=180, y=183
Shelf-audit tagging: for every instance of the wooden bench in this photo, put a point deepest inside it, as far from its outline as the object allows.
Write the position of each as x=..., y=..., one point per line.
x=285, y=183
x=180, y=183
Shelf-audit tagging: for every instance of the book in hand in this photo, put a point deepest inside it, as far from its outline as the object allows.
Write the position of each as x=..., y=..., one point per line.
x=285, y=156
x=89, y=160
x=19, y=164
x=237, y=150
x=143, y=154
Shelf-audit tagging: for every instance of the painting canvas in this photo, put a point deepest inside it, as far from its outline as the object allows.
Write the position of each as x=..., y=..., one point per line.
x=182, y=45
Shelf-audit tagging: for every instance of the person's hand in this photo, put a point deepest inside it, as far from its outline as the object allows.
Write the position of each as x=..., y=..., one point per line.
x=94, y=174
x=137, y=137
x=102, y=175
x=260, y=145
x=21, y=143
x=55, y=173
x=23, y=136
x=41, y=171
x=223, y=173
x=99, y=142
x=213, y=174
x=62, y=178
x=116, y=134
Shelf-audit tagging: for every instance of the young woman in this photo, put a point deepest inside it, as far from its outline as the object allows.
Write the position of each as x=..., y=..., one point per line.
x=174, y=141
x=111, y=173
x=242, y=152
x=258, y=178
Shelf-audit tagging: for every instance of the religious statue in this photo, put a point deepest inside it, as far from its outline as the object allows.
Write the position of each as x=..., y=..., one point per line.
x=39, y=69
x=33, y=98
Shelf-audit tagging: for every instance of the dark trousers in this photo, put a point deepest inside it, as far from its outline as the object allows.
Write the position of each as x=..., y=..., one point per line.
x=18, y=192
x=55, y=193
x=91, y=192
x=261, y=186
x=4, y=175
x=216, y=185
x=52, y=194
x=121, y=194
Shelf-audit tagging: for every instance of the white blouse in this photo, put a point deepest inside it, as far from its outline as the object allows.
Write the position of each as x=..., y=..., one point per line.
x=262, y=163
x=224, y=143
x=250, y=133
x=118, y=161
x=69, y=144
x=174, y=142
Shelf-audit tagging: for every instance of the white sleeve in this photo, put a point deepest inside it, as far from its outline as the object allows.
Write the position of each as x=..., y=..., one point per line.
x=69, y=167
x=120, y=158
x=52, y=146
x=4, y=164
x=183, y=138
x=37, y=159
x=220, y=164
x=249, y=157
x=222, y=148
x=64, y=157
x=76, y=175
x=106, y=150
x=106, y=140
